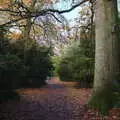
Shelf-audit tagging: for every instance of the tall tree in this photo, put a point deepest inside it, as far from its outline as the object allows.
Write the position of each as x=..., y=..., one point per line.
x=106, y=54
x=29, y=22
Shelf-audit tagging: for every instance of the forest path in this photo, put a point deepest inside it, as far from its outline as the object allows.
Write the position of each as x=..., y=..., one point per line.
x=56, y=101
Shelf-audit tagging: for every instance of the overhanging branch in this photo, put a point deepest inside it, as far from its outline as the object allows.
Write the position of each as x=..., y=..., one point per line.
x=58, y=11
x=40, y=13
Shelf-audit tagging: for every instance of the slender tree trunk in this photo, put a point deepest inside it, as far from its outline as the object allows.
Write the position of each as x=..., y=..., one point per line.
x=106, y=54
x=26, y=32
x=28, y=22
x=27, y=29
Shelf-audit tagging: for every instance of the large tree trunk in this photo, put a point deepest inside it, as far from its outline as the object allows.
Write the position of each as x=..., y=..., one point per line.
x=106, y=54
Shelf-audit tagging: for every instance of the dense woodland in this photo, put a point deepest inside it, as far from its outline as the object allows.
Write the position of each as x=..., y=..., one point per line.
x=37, y=42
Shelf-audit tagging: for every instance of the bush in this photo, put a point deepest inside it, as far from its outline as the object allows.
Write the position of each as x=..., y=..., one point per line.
x=11, y=70
x=77, y=64
x=56, y=64
x=9, y=95
x=24, y=64
x=39, y=63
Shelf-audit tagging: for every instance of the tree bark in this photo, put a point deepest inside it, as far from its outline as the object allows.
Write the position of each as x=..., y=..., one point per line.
x=106, y=53
x=28, y=22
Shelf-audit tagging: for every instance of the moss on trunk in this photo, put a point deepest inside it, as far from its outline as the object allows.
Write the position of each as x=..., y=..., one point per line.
x=103, y=100
x=106, y=55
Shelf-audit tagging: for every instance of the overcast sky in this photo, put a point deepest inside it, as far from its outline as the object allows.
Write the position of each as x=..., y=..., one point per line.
x=74, y=13
x=70, y=16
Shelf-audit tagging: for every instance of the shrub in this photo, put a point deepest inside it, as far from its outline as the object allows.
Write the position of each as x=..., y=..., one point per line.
x=56, y=64
x=24, y=63
x=39, y=63
x=11, y=70
x=77, y=64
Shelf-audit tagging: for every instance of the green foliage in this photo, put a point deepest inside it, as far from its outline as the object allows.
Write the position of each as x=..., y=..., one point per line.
x=9, y=95
x=75, y=65
x=78, y=62
x=39, y=63
x=56, y=63
x=23, y=63
x=11, y=70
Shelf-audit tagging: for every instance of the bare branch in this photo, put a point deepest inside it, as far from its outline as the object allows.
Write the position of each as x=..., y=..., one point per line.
x=58, y=11
x=8, y=10
x=28, y=14
x=12, y=21
x=54, y=17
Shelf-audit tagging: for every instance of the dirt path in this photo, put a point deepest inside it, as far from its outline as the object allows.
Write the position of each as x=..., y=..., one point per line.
x=53, y=102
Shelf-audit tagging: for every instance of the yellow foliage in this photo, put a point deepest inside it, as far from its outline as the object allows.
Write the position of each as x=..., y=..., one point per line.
x=4, y=3
x=27, y=2
x=14, y=36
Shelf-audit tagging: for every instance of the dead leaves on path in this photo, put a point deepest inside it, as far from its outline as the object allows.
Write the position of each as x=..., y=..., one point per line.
x=49, y=103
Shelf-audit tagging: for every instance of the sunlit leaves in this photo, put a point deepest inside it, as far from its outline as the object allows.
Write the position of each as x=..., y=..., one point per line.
x=14, y=36
x=4, y=3
x=27, y=2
